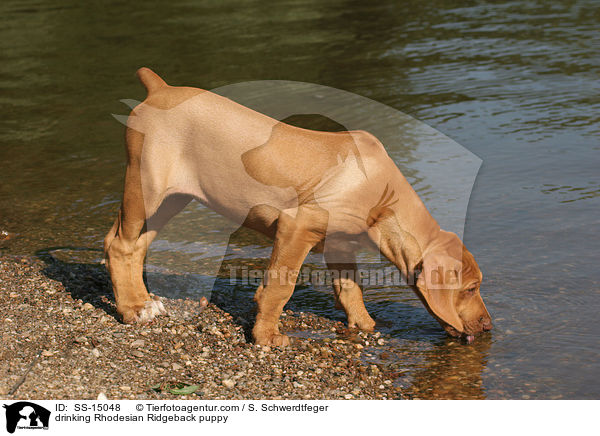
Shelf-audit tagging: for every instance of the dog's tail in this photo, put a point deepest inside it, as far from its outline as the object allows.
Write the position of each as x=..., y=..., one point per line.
x=150, y=79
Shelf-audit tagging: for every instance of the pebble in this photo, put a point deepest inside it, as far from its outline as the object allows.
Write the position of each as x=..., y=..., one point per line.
x=176, y=367
x=95, y=352
x=137, y=353
x=138, y=343
x=47, y=353
x=102, y=396
x=228, y=383
x=87, y=306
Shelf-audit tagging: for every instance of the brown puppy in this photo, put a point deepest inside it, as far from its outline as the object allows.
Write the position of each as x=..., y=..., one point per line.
x=305, y=189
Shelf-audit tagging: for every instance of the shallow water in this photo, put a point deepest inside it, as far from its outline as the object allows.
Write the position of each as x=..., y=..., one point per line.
x=515, y=83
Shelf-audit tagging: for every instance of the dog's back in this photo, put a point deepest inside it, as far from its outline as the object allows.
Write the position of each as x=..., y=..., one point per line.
x=232, y=158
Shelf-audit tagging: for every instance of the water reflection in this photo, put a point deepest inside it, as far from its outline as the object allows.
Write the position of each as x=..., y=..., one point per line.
x=452, y=371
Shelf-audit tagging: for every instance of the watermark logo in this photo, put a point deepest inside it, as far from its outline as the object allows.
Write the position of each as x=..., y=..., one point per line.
x=25, y=415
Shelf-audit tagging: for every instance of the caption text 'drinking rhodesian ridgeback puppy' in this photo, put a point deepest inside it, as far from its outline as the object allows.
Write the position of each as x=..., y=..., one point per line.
x=305, y=189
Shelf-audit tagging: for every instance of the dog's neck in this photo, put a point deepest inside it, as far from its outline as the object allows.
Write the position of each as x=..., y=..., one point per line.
x=405, y=235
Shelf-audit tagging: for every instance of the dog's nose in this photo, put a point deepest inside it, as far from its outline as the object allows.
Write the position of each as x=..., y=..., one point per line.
x=486, y=323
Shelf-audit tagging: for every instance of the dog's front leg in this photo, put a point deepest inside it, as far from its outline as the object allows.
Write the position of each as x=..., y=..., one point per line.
x=294, y=239
x=348, y=294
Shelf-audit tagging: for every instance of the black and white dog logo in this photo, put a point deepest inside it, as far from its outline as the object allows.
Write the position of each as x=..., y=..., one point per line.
x=26, y=415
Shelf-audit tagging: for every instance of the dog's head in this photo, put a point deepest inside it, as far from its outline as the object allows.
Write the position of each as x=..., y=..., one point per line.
x=449, y=285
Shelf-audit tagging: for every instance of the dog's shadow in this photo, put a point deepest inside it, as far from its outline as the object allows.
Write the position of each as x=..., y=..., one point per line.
x=88, y=282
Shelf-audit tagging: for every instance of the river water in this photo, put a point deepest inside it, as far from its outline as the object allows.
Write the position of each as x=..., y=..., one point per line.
x=514, y=83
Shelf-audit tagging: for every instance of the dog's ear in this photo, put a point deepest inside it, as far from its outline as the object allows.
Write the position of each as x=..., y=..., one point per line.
x=437, y=284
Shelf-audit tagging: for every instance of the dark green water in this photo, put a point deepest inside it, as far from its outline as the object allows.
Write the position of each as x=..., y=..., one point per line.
x=516, y=83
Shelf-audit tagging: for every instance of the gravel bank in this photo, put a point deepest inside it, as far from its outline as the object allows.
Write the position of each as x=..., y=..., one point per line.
x=61, y=340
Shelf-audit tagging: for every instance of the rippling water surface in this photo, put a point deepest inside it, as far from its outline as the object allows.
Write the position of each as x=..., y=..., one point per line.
x=515, y=83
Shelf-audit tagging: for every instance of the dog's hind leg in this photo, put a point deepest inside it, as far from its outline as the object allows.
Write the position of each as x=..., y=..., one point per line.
x=347, y=292
x=127, y=242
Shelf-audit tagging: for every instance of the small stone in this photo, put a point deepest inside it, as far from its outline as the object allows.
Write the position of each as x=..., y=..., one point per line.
x=125, y=388
x=87, y=306
x=102, y=396
x=95, y=352
x=138, y=343
x=358, y=346
x=176, y=367
x=228, y=383
x=380, y=342
x=348, y=396
x=81, y=340
x=47, y=353
x=137, y=353
x=13, y=295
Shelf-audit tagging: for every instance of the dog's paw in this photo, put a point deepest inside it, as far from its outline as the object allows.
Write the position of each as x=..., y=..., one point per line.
x=276, y=340
x=147, y=313
x=273, y=340
x=267, y=333
x=151, y=309
x=364, y=323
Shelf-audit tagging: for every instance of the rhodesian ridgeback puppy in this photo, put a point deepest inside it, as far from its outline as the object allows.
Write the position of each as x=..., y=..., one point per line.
x=307, y=190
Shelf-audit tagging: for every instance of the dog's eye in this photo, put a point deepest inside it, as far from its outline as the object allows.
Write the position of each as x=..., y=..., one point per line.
x=472, y=290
